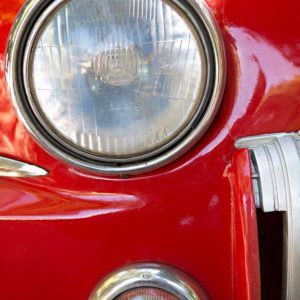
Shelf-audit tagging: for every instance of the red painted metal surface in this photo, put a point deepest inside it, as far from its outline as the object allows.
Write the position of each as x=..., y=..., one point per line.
x=245, y=259
x=61, y=234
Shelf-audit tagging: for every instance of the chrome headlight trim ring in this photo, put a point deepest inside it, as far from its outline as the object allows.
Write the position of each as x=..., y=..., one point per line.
x=29, y=18
x=157, y=276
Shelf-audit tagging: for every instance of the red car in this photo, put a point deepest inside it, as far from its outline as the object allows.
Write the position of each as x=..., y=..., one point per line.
x=149, y=149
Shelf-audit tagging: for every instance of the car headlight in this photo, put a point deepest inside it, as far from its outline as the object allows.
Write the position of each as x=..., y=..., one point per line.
x=116, y=86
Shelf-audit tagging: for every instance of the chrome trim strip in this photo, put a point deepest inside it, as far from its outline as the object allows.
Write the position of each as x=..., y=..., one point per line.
x=32, y=9
x=148, y=275
x=14, y=168
x=276, y=158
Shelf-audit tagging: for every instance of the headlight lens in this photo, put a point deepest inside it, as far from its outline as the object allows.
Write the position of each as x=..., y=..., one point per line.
x=115, y=82
x=124, y=77
x=147, y=293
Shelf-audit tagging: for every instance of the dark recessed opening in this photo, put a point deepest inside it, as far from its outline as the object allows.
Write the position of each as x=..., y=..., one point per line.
x=270, y=248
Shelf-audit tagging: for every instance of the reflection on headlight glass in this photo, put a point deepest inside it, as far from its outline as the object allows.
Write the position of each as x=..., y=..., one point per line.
x=119, y=78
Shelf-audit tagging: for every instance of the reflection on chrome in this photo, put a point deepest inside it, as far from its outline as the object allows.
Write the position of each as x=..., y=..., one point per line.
x=139, y=276
x=14, y=168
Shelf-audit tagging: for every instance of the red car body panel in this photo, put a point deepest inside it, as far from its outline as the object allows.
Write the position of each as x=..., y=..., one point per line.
x=62, y=233
x=245, y=260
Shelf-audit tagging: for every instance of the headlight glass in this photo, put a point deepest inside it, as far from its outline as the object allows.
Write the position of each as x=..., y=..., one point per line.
x=116, y=86
x=118, y=79
x=147, y=293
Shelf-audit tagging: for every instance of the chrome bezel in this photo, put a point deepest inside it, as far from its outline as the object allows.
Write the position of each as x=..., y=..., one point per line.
x=29, y=19
x=158, y=276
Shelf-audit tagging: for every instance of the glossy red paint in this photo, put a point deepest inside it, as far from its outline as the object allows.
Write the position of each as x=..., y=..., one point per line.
x=244, y=229
x=62, y=233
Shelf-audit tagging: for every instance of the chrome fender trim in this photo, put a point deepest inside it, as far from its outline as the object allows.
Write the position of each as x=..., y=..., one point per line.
x=275, y=162
x=15, y=168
